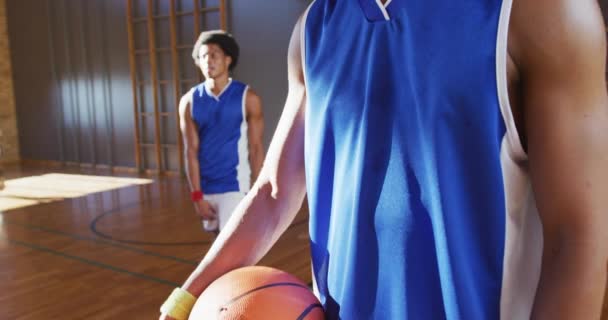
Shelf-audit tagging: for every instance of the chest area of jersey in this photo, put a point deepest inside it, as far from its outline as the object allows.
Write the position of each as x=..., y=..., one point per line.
x=225, y=112
x=412, y=68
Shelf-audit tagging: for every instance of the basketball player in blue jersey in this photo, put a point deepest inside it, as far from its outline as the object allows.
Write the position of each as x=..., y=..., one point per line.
x=455, y=158
x=222, y=126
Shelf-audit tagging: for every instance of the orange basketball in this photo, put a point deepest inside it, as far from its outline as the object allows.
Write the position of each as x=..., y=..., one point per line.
x=257, y=293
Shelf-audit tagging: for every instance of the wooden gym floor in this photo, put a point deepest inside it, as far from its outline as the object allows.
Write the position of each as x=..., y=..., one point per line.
x=115, y=254
x=111, y=255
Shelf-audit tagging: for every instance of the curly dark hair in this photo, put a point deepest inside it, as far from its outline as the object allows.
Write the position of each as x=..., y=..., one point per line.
x=221, y=38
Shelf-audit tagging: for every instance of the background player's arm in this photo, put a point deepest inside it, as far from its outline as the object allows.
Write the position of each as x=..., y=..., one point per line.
x=559, y=49
x=191, y=145
x=255, y=133
x=276, y=197
x=191, y=141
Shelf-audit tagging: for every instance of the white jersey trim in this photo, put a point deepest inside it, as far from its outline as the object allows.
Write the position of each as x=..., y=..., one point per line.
x=243, y=169
x=515, y=145
x=523, y=234
x=315, y=288
x=212, y=95
x=303, y=41
x=382, y=8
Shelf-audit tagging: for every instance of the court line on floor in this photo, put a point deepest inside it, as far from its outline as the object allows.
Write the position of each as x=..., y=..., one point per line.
x=92, y=262
x=93, y=228
x=112, y=242
x=100, y=241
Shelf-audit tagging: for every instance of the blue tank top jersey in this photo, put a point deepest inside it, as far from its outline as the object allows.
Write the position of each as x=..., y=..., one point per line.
x=222, y=130
x=404, y=135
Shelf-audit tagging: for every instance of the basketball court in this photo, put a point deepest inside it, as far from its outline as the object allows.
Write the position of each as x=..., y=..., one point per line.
x=96, y=217
x=110, y=254
x=96, y=220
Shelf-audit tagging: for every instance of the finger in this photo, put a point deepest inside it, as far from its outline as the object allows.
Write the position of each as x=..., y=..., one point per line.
x=208, y=215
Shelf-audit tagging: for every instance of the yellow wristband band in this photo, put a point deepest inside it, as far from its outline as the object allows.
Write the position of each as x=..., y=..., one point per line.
x=179, y=304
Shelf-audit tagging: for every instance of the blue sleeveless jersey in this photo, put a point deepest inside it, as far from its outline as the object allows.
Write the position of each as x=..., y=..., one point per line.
x=403, y=169
x=222, y=130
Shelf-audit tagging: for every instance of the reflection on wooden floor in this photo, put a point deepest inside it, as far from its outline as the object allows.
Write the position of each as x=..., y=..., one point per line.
x=36, y=189
x=111, y=255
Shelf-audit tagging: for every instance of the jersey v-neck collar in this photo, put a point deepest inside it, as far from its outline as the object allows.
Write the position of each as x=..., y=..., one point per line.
x=212, y=95
x=376, y=11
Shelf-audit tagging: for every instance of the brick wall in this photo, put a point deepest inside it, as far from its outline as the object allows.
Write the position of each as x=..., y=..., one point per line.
x=9, y=138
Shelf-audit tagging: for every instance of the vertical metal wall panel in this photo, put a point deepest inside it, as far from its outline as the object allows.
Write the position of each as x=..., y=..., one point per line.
x=154, y=69
x=134, y=82
x=53, y=82
x=176, y=81
x=56, y=98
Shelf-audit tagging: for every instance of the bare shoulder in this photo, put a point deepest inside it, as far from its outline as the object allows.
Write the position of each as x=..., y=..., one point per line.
x=295, y=72
x=253, y=103
x=556, y=35
x=252, y=97
x=184, y=102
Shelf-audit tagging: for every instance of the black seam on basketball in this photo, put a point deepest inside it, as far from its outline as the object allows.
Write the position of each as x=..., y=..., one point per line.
x=308, y=310
x=278, y=284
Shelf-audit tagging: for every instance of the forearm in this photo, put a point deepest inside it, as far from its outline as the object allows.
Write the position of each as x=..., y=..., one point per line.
x=572, y=283
x=193, y=171
x=256, y=225
x=256, y=159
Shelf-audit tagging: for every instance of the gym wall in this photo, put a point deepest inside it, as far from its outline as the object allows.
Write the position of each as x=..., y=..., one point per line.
x=72, y=83
x=9, y=140
x=72, y=79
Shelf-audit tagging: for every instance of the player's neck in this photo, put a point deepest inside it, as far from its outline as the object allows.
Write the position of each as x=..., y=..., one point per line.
x=218, y=84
